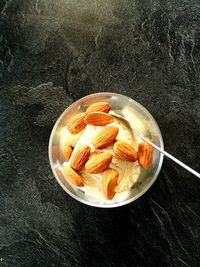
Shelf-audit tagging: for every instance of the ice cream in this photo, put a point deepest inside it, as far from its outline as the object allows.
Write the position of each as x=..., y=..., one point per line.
x=129, y=172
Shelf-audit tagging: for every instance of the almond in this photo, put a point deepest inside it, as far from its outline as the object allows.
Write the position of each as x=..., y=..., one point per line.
x=98, y=163
x=67, y=152
x=94, y=99
x=124, y=150
x=76, y=124
x=105, y=137
x=73, y=176
x=145, y=155
x=80, y=157
x=99, y=106
x=98, y=118
x=109, y=182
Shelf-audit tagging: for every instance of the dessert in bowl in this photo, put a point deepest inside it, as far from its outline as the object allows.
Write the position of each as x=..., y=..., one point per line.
x=96, y=158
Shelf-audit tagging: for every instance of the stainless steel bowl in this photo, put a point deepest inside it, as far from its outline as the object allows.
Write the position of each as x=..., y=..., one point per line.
x=118, y=102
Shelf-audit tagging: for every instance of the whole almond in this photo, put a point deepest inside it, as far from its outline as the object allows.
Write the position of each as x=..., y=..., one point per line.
x=76, y=124
x=109, y=182
x=73, y=176
x=125, y=151
x=105, y=137
x=98, y=118
x=145, y=155
x=98, y=163
x=80, y=157
x=99, y=106
x=67, y=152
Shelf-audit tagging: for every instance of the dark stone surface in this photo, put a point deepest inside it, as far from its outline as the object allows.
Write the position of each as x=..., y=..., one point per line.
x=54, y=52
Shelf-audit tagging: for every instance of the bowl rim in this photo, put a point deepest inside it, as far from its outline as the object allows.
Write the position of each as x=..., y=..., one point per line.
x=118, y=204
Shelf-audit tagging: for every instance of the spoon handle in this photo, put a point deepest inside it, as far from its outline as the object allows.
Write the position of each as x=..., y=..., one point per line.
x=167, y=154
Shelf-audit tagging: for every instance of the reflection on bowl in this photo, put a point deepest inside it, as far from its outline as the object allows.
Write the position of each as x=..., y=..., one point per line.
x=136, y=115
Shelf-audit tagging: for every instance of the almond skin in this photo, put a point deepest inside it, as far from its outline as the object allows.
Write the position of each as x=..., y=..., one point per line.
x=105, y=137
x=124, y=150
x=76, y=124
x=73, y=176
x=99, y=106
x=145, y=155
x=80, y=157
x=98, y=163
x=67, y=152
x=109, y=182
x=98, y=118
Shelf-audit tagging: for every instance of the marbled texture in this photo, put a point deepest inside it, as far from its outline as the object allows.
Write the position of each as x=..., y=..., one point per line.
x=54, y=52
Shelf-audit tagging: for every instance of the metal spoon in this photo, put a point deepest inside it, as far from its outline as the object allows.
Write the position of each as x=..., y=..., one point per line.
x=155, y=146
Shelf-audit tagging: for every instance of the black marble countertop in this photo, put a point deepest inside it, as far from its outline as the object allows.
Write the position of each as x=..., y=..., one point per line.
x=54, y=52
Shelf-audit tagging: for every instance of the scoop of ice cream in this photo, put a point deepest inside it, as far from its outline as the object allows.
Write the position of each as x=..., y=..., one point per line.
x=66, y=138
x=128, y=171
x=137, y=121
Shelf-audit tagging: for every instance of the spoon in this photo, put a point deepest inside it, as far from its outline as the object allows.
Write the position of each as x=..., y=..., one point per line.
x=155, y=146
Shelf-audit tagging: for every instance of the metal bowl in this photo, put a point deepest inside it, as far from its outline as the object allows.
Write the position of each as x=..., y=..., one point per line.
x=118, y=102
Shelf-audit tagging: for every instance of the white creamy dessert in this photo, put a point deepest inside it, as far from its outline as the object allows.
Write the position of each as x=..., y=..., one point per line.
x=128, y=171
